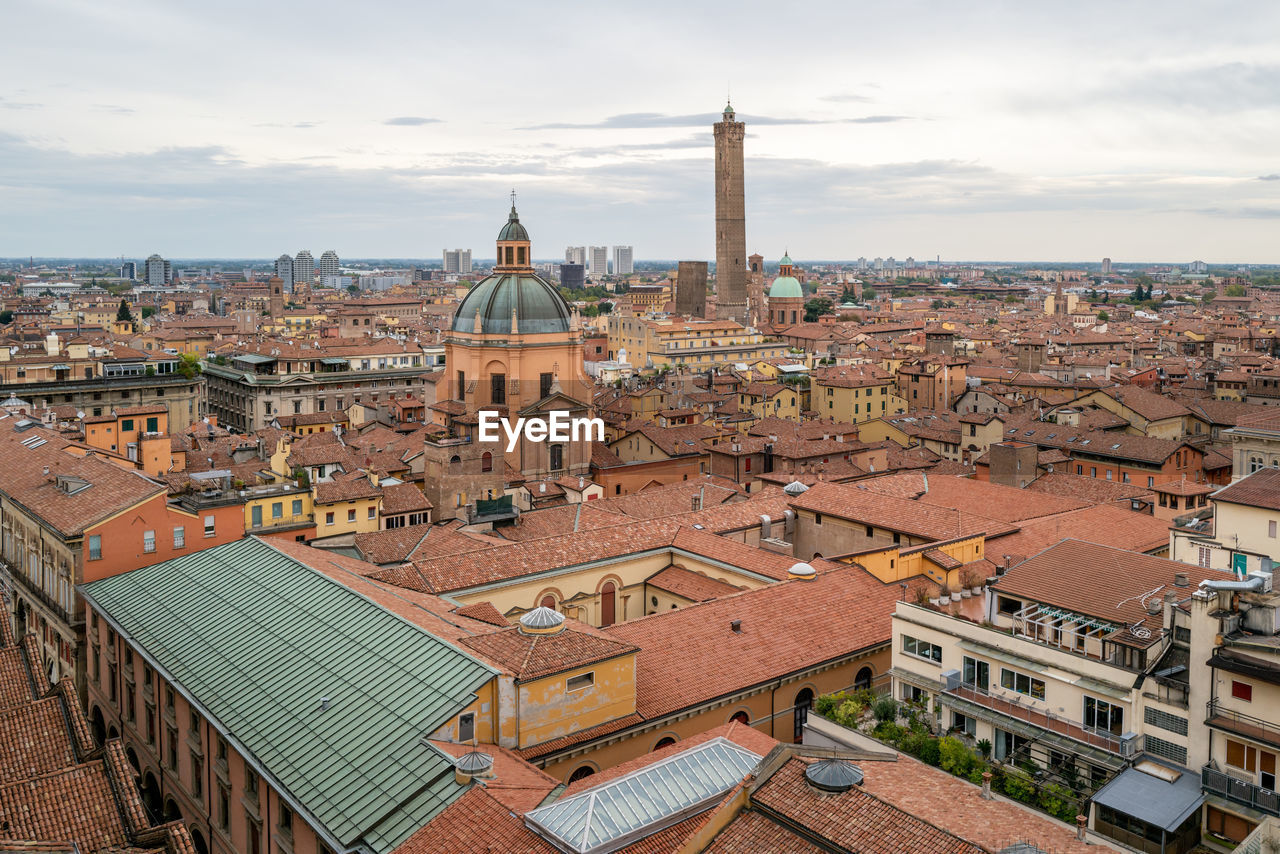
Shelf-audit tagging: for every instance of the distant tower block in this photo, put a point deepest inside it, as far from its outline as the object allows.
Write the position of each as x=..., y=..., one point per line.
x=1106, y=266
x=691, y=289
x=731, y=220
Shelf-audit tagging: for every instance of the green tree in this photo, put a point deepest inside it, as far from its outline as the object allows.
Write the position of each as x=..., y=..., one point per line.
x=123, y=313
x=868, y=293
x=1137, y=293
x=815, y=308
x=1103, y=317
x=148, y=310
x=1234, y=291
x=188, y=365
x=606, y=307
x=353, y=289
x=6, y=317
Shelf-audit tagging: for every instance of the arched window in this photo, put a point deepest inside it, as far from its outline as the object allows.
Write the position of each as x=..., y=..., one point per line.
x=741, y=718
x=581, y=773
x=455, y=464
x=663, y=742
x=863, y=679
x=804, y=702
x=486, y=462
x=608, y=596
x=548, y=601
x=197, y=840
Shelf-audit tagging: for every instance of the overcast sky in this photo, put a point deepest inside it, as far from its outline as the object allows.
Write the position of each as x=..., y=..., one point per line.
x=984, y=130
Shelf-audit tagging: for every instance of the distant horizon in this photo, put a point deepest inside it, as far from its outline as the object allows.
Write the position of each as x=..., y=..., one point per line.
x=987, y=130
x=14, y=262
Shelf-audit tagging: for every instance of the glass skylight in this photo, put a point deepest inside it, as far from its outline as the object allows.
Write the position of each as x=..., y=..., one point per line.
x=614, y=814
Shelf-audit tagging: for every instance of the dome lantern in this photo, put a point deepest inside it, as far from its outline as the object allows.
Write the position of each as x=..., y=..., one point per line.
x=514, y=252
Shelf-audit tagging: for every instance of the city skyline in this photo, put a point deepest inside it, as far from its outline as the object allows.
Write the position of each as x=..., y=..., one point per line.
x=1141, y=132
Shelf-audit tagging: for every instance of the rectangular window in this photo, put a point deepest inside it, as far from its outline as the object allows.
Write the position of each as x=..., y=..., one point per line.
x=193, y=724
x=351, y=515
x=1151, y=481
x=1022, y=683
x=976, y=673
x=462, y=385
x=1103, y=716
x=1242, y=691
x=286, y=820
x=255, y=835
x=153, y=424
x=577, y=683
x=209, y=526
x=1008, y=606
x=297, y=507
x=250, y=783
x=224, y=808
x=179, y=537
x=1271, y=529
x=373, y=512
x=1165, y=749
x=466, y=726
x=172, y=735
x=544, y=385
x=126, y=426
x=1164, y=720
x=277, y=510
x=922, y=649
x=1205, y=556
x=95, y=547
x=328, y=518
x=498, y=389
x=255, y=516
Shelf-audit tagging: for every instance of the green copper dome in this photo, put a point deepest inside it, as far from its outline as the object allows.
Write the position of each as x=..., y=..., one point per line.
x=513, y=230
x=786, y=259
x=786, y=287
x=537, y=305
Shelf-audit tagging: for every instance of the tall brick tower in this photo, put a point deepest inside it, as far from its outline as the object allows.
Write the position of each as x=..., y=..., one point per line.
x=731, y=221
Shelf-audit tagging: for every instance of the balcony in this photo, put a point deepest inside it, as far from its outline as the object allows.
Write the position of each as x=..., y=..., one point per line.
x=1214, y=782
x=1045, y=720
x=1239, y=723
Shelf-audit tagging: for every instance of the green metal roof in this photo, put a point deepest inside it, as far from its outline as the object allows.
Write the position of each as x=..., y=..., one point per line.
x=786, y=286
x=256, y=638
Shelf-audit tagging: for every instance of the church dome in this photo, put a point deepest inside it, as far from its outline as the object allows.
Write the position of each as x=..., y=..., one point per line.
x=513, y=230
x=538, y=306
x=786, y=287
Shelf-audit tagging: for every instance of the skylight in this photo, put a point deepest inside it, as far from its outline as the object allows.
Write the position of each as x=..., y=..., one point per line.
x=615, y=814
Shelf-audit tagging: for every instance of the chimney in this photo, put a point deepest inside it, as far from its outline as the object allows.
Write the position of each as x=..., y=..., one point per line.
x=1153, y=607
x=1081, y=825
x=736, y=626
x=1181, y=580
x=986, y=785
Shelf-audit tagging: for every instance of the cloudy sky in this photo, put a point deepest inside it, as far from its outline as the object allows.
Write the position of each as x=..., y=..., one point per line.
x=984, y=130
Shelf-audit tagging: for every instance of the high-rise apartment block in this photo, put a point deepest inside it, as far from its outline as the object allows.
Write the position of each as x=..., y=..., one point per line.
x=284, y=271
x=157, y=271
x=304, y=268
x=1106, y=266
x=329, y=264
x=457, y=261
x=731, y=220
x=623, y=261
x=129, y=270
x=598, y=261
x=575, y=255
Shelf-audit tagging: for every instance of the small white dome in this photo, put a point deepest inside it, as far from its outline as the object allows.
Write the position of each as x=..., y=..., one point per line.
x=801, y=570
x=795, y=487
x=542, y=620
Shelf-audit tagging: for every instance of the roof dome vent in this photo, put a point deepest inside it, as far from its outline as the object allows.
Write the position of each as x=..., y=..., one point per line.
x=472, y=764
x=802, y=571
x=542, y=621
x=795, y=488
x=833, y=775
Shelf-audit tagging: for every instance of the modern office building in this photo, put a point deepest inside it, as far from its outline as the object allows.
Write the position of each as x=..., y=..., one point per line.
x=572, y=276
x=329, y=264
x=598, y=261
x=623, y=263
x=457, y=261
x=157, y=271
x=304, y=269
x=284, y=271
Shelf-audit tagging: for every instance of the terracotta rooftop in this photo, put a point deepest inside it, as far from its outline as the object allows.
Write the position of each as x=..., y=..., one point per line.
x=532, y=656
x=1260, y=489
x=690, y=585
x=861, y=504
x=692, y=655
x=1099, y=581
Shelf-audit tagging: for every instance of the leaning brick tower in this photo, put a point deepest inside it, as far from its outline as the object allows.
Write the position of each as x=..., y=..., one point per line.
x=731, y=221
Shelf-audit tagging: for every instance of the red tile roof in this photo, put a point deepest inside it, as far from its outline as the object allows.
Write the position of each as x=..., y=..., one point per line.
x=476, y=823
x=690, y=585
x=692, y=655
x=1260, y=489
x=532, y=656
x=926, y=521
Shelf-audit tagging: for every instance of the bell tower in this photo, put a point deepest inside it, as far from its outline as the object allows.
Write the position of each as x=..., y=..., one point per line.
x=731, y=220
